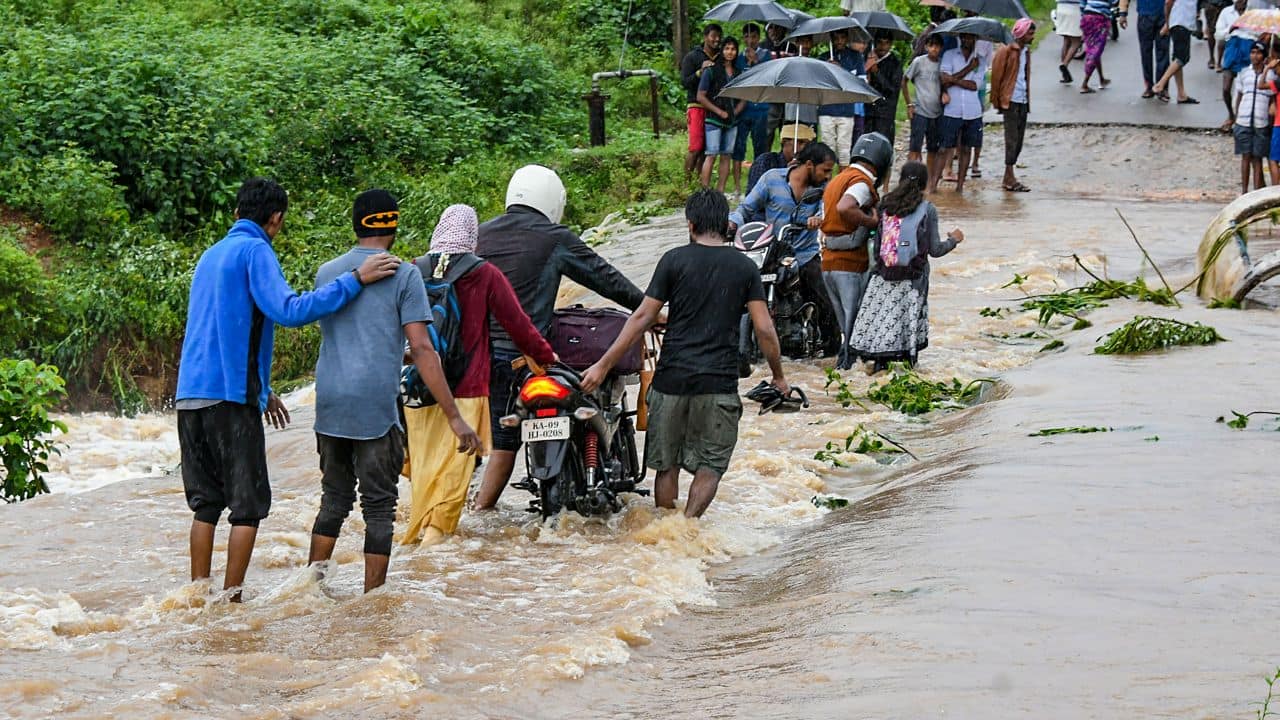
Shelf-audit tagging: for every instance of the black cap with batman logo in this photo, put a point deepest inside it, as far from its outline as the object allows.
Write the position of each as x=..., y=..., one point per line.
x=376, y=212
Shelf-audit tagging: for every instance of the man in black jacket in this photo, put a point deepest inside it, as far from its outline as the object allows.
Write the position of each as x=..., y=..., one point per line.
x=691, y=67
x=884, y=73
x=530, y=246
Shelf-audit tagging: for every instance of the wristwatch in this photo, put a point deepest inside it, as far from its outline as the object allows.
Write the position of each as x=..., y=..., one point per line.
x=356, y=273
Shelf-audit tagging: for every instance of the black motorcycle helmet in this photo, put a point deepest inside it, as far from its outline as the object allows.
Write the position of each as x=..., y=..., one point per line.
x=875, y=150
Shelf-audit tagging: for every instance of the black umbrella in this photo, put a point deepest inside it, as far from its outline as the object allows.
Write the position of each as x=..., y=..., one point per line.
x=765, y=11
x=820, y=29
x=985, y=28
x=993, y=8
x=880, y=22
x=806, y=81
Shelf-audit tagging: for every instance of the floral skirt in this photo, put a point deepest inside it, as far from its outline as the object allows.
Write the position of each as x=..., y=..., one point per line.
x=893, y=322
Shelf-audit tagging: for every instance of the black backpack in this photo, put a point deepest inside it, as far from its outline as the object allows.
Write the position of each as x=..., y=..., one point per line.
x=445, y=328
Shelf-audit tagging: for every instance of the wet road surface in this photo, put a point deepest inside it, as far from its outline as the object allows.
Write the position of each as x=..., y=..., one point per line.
x=1054, y=102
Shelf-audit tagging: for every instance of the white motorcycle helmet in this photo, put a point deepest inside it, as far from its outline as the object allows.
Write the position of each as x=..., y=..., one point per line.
x=539, y=188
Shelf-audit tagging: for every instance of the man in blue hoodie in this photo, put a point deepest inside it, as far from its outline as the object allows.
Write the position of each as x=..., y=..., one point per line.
x=238, y=295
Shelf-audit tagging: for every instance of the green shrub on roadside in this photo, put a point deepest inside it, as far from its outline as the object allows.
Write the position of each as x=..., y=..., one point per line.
x=29, y=309
x=71, y=194
x=27, y=393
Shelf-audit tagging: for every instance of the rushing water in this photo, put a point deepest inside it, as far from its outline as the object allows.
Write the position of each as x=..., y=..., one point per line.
x=1001, y=575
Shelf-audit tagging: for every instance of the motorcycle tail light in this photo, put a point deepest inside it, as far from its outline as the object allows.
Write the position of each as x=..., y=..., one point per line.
x=545, y=412
x=543, y=388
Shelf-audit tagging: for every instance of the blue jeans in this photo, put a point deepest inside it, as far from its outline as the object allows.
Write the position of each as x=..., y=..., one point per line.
x=756, y=127
x=1151, y=42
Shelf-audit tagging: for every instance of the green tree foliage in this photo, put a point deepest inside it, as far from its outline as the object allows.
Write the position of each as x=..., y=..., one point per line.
x=27, y=393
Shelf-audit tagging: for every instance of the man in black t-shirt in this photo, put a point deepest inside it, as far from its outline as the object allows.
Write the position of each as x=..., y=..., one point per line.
x=694, y=406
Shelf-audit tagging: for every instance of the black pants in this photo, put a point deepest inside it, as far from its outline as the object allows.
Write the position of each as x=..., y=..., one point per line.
x=224, y=463
x=1152, y=44
x=376, y=464
x=1015, y=127
x=883, y=124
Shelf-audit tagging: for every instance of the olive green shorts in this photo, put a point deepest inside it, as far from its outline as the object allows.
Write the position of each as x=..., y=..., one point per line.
x=694, y=432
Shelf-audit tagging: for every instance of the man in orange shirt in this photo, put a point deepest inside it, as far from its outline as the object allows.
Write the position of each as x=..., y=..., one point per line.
x=849, y=204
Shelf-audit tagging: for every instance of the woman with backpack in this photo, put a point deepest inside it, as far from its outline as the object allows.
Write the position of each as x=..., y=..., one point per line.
x=893, y=323
x=440, y=475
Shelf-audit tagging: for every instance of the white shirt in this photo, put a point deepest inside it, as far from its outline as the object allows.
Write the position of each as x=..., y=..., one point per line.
x=986, y=51
x=1183, y=14
x=853, y=6
x=964, y=103
x=1020, y=83
x=860, y=191
x=1254, y=102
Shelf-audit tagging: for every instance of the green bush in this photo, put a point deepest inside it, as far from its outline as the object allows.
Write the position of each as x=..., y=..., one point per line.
x=71, y=194
x=29, y=309
x=27, y=393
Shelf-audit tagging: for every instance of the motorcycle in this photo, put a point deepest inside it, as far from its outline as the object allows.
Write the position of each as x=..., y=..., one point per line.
x=580, y=448
x=795, y=318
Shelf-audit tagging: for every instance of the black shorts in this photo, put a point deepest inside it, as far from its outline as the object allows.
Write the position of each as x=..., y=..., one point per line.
x=224, y=463
x=925, y=134
x=502, y=396
x=1181, y=44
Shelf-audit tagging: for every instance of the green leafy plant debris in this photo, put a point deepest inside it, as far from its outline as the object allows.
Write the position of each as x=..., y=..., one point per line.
x=909, y=393
x=1083, y=430
x=1052, y=345
x=1145, y=333
x=862, y=441
x=1240, y=421
x=830, y=502
x=1265, y=711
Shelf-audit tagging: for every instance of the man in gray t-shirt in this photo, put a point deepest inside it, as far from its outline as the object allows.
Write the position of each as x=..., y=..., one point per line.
x=358, y=431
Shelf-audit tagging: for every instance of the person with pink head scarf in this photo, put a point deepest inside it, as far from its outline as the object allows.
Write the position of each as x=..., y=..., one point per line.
x=1011, y=95
x=440, y=475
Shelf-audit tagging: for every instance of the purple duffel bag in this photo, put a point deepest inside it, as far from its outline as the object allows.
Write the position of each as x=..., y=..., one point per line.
x=582, y=335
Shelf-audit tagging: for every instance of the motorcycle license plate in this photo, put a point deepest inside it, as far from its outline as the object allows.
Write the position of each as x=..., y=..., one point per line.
x=769, y=277
x=542, y=429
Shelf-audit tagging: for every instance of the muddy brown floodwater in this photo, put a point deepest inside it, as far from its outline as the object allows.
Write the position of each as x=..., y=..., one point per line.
x=1110, y=575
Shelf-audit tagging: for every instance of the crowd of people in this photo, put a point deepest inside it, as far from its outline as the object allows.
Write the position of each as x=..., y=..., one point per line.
x=943, y=87
x=375, y=315
x=1246, y=58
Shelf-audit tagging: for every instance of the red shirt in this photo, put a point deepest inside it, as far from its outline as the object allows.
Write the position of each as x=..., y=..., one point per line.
x=482, y=293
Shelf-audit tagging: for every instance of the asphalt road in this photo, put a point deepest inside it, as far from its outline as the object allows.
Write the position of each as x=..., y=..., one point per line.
x=1053, y=102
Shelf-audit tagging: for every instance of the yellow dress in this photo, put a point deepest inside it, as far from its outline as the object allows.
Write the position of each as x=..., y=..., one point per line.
x=440, y=475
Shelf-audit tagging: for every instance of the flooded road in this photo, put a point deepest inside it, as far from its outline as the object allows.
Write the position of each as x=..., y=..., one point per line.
x=1108, y=575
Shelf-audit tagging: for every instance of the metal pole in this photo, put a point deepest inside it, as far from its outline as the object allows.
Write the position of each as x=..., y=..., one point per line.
x=653, y=103
x=595, y=116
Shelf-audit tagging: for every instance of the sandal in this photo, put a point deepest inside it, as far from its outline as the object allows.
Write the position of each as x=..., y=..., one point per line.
x=1148, y=94
x=1017, y=187
x=976, y=173
x=1163, y=96
x=1189, y=101
x=1086, y=90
